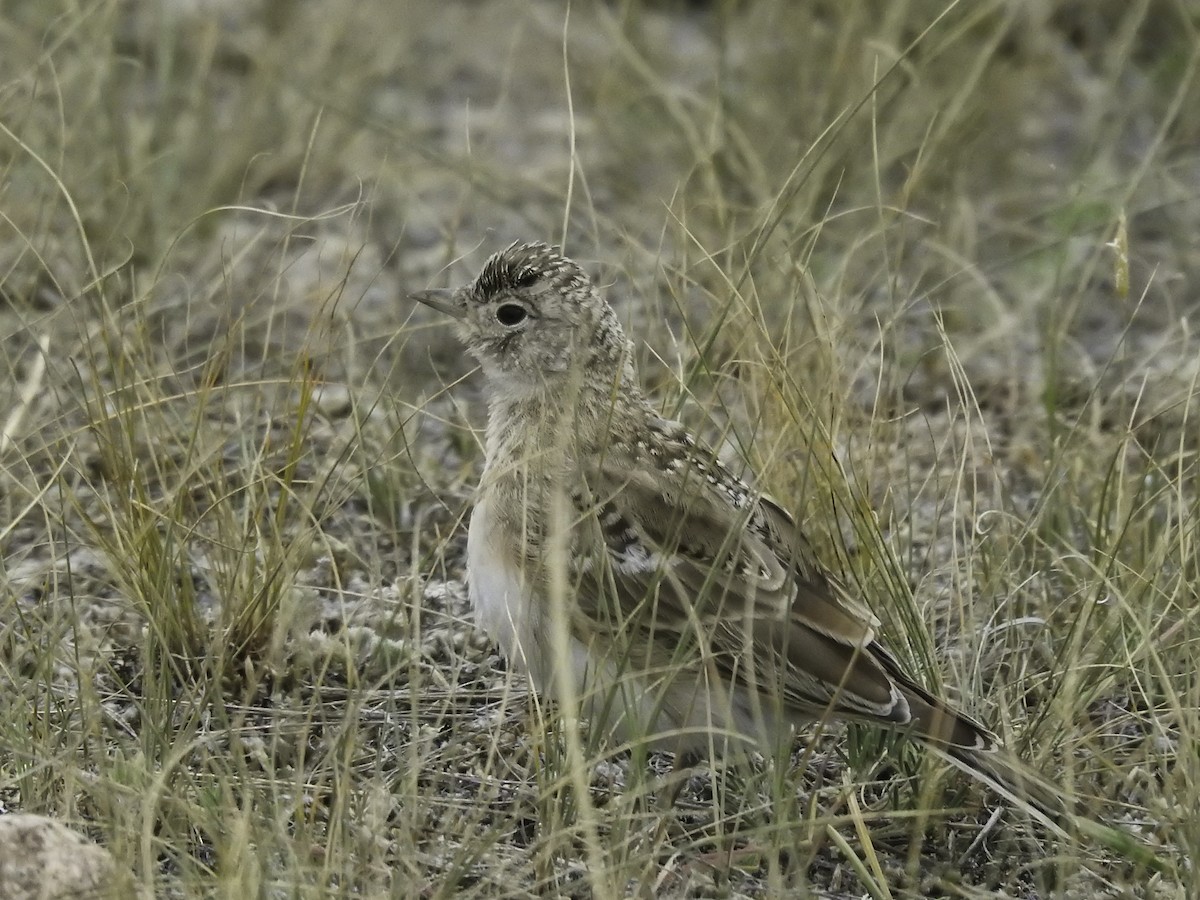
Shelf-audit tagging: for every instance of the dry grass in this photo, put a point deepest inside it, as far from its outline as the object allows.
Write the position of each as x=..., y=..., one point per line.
x=931, y=268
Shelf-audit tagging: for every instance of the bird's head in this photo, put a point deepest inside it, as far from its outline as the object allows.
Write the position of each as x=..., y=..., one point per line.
x=532, y=317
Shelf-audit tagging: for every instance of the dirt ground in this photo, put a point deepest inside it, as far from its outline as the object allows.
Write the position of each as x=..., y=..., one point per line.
x=928, y=269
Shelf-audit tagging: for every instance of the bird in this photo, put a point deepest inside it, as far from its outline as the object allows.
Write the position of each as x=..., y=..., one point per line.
x=636, y=580
x=695, y=614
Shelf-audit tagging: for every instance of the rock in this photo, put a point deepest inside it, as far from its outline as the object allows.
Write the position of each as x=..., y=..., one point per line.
x=43, y=859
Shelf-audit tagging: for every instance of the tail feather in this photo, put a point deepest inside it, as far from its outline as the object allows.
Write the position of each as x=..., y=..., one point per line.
x=976, y=751
x=1046, y=802
x=940, y=725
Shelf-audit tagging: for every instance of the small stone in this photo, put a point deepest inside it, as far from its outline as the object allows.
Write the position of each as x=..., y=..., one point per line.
x=333, y=400
x=43, y=859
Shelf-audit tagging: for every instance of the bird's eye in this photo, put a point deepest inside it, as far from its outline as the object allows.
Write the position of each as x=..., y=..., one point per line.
x=510, y=314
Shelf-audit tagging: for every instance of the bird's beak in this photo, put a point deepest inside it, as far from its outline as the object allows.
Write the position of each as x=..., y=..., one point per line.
x=442, y=300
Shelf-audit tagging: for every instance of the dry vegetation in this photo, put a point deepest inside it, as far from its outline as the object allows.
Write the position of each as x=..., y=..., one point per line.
x=931, y=267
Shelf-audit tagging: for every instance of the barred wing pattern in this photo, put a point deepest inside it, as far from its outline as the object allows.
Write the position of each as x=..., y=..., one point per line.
x=702, y=573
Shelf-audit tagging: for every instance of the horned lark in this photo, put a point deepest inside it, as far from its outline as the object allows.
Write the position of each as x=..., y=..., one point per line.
x=691, y=610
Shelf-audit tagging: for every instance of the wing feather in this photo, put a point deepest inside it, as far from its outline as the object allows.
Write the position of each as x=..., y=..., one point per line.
x=739, y=581
x=699, y=569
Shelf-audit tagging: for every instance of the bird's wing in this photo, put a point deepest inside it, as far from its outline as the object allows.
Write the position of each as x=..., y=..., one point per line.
x=698, y=559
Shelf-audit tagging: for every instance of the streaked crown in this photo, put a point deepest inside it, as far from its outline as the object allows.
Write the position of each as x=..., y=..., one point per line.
x=532, y=315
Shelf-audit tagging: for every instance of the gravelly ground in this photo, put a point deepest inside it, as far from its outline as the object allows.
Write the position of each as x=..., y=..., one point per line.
x=247, y=407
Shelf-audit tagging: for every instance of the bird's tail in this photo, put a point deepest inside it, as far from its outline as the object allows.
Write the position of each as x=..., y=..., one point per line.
x=1046, y=803
x=938, y=724
x=973, y=749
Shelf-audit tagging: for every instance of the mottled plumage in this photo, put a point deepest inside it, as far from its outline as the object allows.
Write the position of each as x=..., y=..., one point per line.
x=697, y=614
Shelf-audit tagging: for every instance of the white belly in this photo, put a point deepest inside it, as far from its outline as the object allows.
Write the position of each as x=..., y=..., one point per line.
x=518, y=622
x=497, y=590
x=506, y=610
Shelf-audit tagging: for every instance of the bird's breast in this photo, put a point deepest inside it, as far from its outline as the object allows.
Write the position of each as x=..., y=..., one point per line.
x=498, y=589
